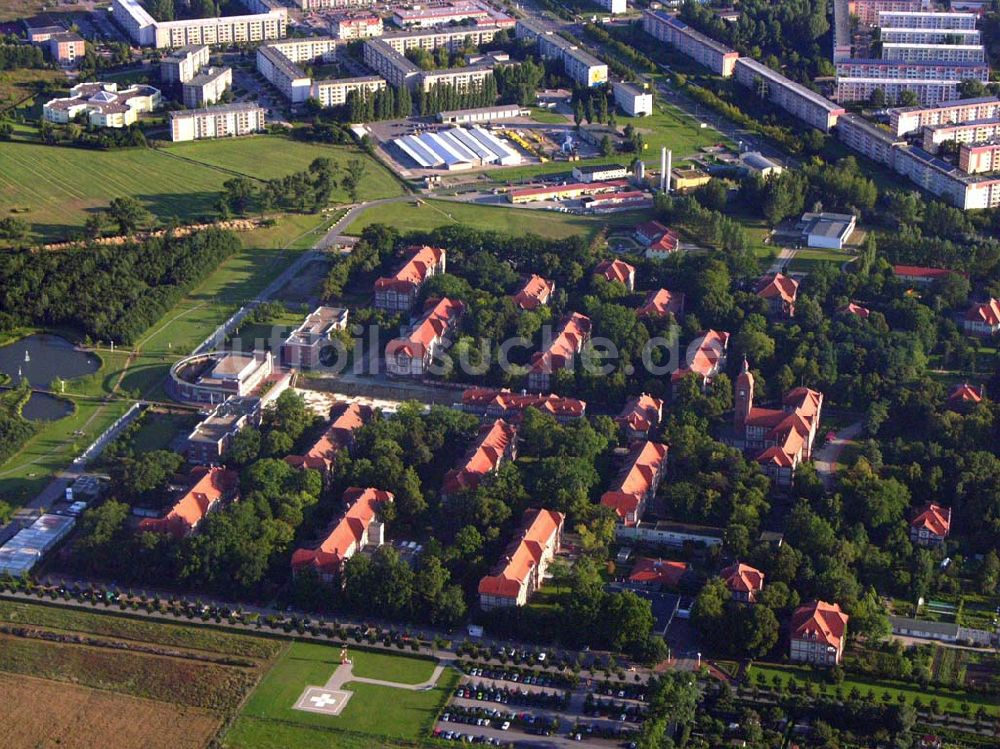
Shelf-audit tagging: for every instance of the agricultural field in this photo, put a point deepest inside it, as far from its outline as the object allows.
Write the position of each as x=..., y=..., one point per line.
x=431, y=214
x=17, y=87
x=54, y=188
x=395, y=714
x=37, y=713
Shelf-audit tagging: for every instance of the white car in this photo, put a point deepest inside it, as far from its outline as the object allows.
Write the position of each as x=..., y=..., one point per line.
x=505, y=725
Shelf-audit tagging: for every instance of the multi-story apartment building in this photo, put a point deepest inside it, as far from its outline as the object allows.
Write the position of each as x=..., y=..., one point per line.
x=411, y=356
x=568, y=342
x=334, y=91
x=910, y=119
x=267, y=20
x=924, y=52
x=980, y=157
x=585, y=69
x=634, y=101
x=817, y=633
x=349, y=26
x=305, y=344
x=945, y=180
x=66, y=47
x=207, y=87
x=394, y=66
x=867, y=138
x=522, y=569
x=794, y=98
x=889, y=19
x=181, y=65
x=226, y=120
x=867, y=10
x=637, y=483
x=976, y=131
x=324, y=4
x=453, y=38
x=398, y=292
x=704, y=50
x=454, y=12
x=930, y=36
x=932, y=81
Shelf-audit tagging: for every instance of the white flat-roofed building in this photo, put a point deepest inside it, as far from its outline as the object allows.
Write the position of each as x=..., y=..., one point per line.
x=453, y=38
x=279, y=62
x=305, y=344
x=227, y=120
x=439, y=14
x=931, y=81
x=334, y=92
x=267, y=20
x=614, y=7
x=634, y=100
x=945, y=180
x=925, y=20
x=794, y=98
x=27, y=547
x=207, y=87
x=910, y=119
x=104, y=104
x=356, y=26
x=912, y=52
x=930, y=36
x=979, y=131
x=482, y=114
x=183, y=64
x=704, y=50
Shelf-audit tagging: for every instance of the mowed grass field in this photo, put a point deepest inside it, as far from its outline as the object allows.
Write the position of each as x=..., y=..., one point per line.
x=40, y=713
x=54, y=188
x=268, y=719
x=431, y=214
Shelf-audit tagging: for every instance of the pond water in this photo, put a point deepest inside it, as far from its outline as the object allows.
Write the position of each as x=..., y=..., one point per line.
x=42, y=359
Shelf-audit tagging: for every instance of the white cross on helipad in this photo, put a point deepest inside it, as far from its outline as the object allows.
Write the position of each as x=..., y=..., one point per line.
x=323, y=700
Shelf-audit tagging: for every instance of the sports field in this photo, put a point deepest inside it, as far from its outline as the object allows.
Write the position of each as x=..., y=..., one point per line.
x=53, y=188
x=268, y=719
x=431, y=214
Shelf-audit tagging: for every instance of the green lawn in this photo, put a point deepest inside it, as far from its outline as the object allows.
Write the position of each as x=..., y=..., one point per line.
x=808, y=259
x=949, y=699
x=158, y=430
x=431, y=214
x=53, y=188
x=269, y=720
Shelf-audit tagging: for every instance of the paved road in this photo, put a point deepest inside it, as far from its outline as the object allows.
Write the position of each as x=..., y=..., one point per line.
x=781, y=261
x=335, y=234
x=827, y=456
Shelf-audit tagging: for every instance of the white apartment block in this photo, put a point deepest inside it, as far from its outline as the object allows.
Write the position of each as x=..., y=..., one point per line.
x=268, y=20
x=867, y=138
x=912, y=52
x=334, y=92
x=278, y=63
x=228, y=120
x=704, y=50
x=932, y=82
x=326, y=4
x=452, y=38
x=585, y=69
x=207, y=87
x=925, y=20
x=794, y=98
x=910, y=119
x=930, y=36
x=947, y=181
x=867, y=10
x=356, y=26
x=392, y=65
x=976, y=158
x=634, y=101
x=977, y=131
x=614, y=7
x=183, y=64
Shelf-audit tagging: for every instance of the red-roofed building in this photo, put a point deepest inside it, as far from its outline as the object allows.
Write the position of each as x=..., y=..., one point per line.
x=345, y=419
x=657, y=573
x=855, y=309
x=398, y=292
x=535, y=293
x=649, y=231
x=744, y=582
x=410, y=356
x=931, y=525
x=706, y=357
x=781, y=438
x=617, y=270
x=496, y=443
x=637, y=483
x=662, y=303
x=658, y=239
x=983, y=319
x=358, y=528
x=209, y=488
x=965, y=396
x=488, y=403
x=522, y=569
x=641, y=415
x=921, y=275
x=780, y=291
x=573, y=334
x=818, y=630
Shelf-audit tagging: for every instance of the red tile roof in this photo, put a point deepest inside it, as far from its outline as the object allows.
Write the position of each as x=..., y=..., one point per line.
x=439, y=317
x=535, y=293
x=414, y=272
x=540, y=529
x=855, y=309
x=934, y=519
x=669, y=242
x=492, y=445
x=987, y=313
x=742, y=578
x=708, y=354
x=821, y=622
x=346, y=535
x=645, y=462
x=790, y=428
x=209, y=485
x=581, y=187
x=650, y=231
x=572, y=335
x=508, y=401
x=346, y=418
x=641, y=414
x=920, y=271
x=658, y=571
x=615, y=270
x=965, y=393
x=777, y=285
x=661, y=303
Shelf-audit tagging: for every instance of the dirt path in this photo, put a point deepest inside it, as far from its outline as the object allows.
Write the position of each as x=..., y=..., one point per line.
x=345, y=674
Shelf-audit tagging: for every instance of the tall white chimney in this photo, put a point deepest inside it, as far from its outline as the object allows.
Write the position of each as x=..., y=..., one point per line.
x=670, y=166
x=663, y=167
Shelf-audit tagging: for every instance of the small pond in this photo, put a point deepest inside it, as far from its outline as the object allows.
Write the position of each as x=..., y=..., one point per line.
x=45, y=407
x=44, y=358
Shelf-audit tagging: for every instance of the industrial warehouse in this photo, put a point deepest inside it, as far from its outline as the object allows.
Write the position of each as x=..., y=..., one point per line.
x=457, y=148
